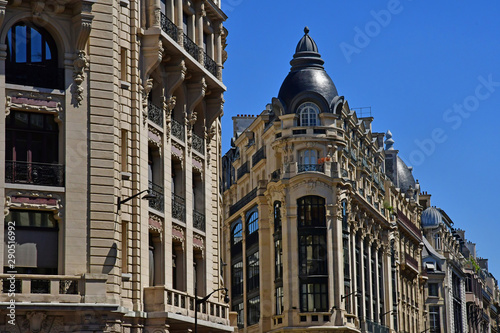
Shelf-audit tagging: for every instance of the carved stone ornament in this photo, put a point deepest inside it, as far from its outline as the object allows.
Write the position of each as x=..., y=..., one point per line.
x=177, y=151
x=146, y=89
x=155, y=138
x=168, y=107
x=198, y=243
x=3, y=6
x=178, y=233
x=198, y=164
x=155, y=224
x=79, y=65
x=34, y=200
x=35, y=102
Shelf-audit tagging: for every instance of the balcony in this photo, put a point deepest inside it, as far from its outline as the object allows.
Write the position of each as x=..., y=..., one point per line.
x=210, y=64
x=42, y=288
x=158, y=202
x=178, y=207
x=243, y=202
x=155, y=114
x=191, y=47
x=34, y=173
x=258, y=156
x=178, y=129
x=310, y=167
x=242, y=170
x=160, y=299
x=168, y=27
x=198, y=220
x=198, y=144
x=403, y=220
x=30, y=74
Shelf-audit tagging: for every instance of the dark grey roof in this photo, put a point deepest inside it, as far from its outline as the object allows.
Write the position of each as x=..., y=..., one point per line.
x=405, y=177
x=431, y=217
x=307, y=75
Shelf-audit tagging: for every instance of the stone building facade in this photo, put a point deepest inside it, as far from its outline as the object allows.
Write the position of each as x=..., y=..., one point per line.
x=106, y=102
x=322, y=222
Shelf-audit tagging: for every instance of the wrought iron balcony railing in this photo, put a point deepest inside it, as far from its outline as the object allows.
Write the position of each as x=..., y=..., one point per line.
x=155, y=114
x=310, y=167
x=191, y=47
x=241, y=203
x=177, y=129
x=178, y=207
x=34, y=173
x=169, y=27
x=198, y=220
x=242, y=170
x=198, y=143
x=259, y=155
x=210, y=64
x=158, y=202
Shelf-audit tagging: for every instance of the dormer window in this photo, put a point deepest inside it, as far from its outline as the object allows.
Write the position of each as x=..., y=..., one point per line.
x=308, y=114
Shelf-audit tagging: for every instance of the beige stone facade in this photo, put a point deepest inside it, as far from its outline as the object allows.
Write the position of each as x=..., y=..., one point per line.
x=105, y=100
x=322, y=222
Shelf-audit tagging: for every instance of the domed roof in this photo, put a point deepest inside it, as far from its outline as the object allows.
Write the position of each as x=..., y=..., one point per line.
x=431, y=217
x=404, y=176
x=306, y=75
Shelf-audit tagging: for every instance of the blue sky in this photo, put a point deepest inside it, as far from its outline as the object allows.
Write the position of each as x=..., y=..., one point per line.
x=429, y=71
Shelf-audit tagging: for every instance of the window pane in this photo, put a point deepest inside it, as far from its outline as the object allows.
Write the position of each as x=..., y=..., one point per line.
x=21, y=47
x=36, y=46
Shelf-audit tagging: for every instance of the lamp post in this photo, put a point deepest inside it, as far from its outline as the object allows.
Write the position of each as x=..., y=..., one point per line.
x=148, y=196
x=197, y=302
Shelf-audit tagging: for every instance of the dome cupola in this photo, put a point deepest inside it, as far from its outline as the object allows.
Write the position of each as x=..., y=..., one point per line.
x=431, y=217
x=307, y=78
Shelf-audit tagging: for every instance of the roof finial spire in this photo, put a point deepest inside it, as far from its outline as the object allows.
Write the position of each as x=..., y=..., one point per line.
x=306, y=30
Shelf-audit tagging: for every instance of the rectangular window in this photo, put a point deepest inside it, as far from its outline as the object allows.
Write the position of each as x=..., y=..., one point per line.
x=433, y=289
x=279, y=300
x=253, y=311
x=253, y=271
x=238, y=308
x=312, y=255
x=123, y=64
x=37, y=241
x=124, y=247
x=314, y=295
x=434, y=319
x=278, y=263
x=237, y=279
x=124, y=150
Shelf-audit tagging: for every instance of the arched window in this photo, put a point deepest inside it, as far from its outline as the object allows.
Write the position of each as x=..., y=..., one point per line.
x=308, y=114
x=437, y=241
x=237, y=233
x=252, y=223
x=32, y=57
x=308, y=157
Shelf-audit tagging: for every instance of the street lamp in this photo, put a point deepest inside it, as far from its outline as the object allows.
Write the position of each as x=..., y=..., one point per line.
x=148, y=196
x=197, y=302
x=356, y=292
